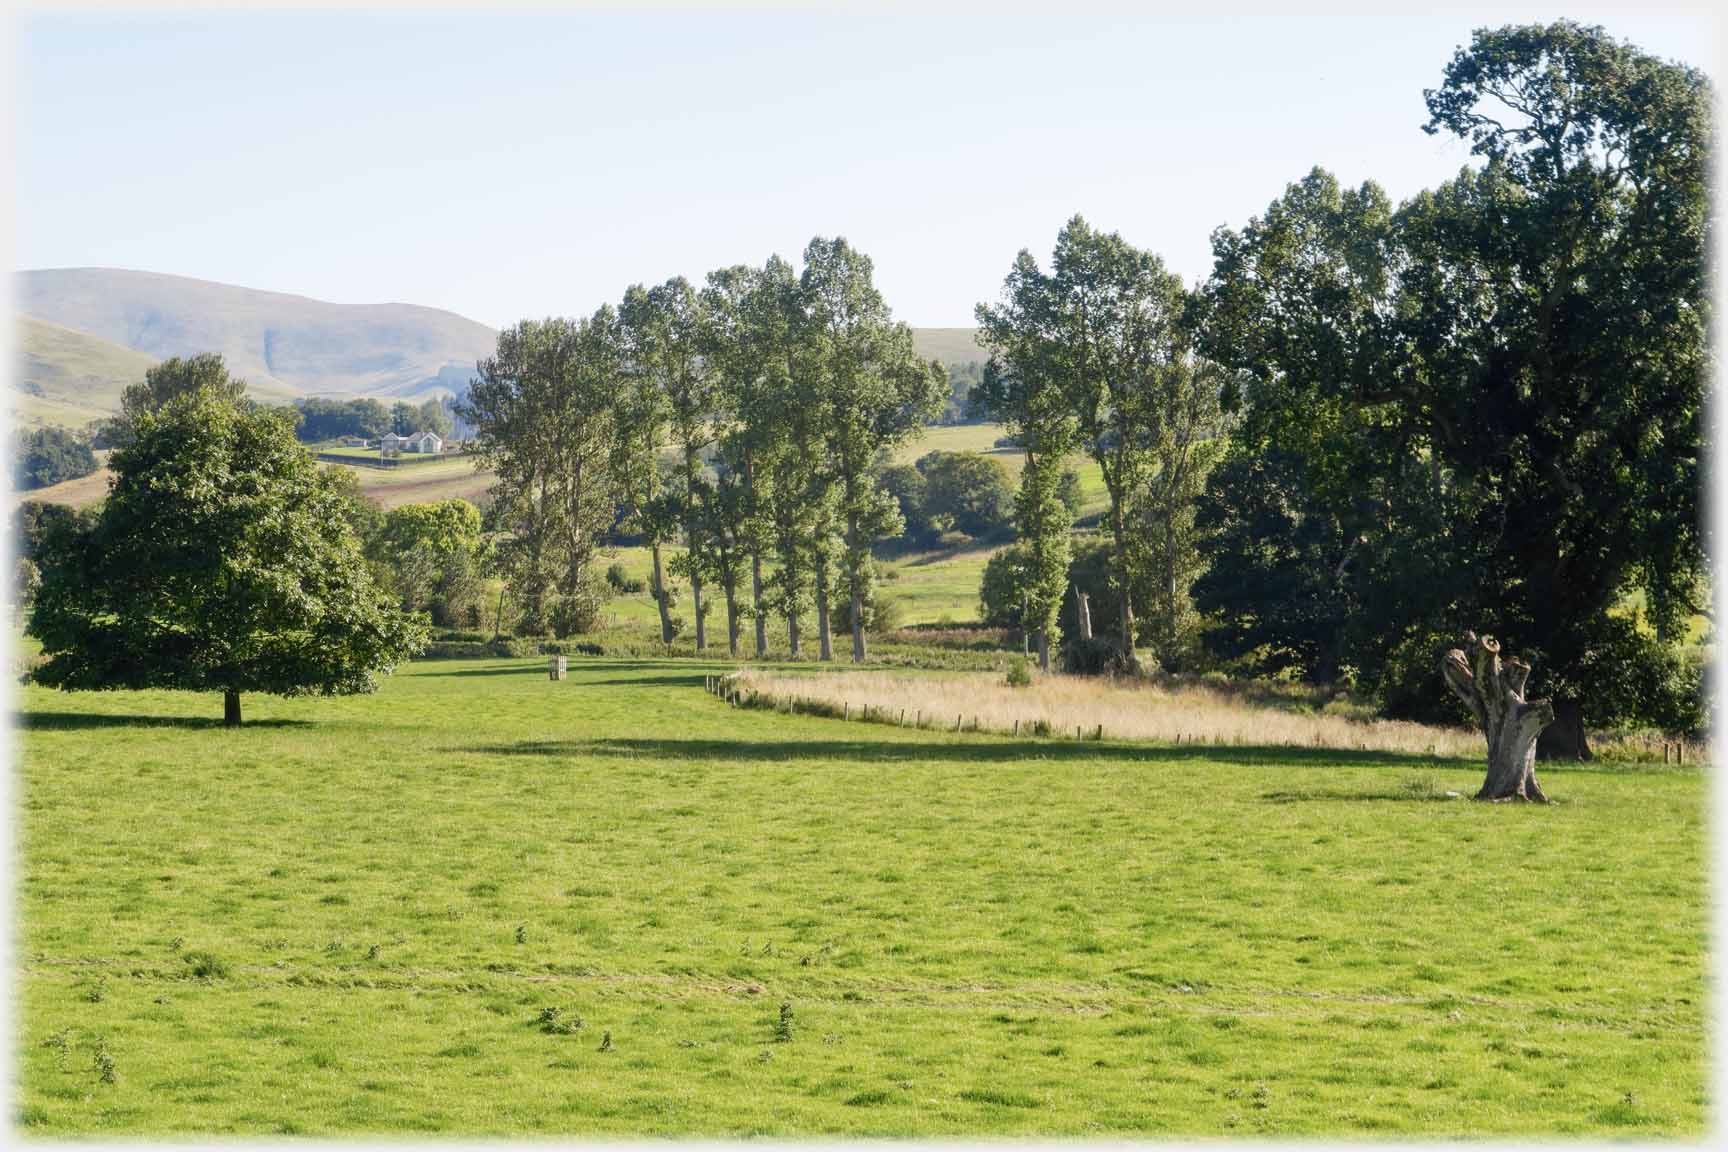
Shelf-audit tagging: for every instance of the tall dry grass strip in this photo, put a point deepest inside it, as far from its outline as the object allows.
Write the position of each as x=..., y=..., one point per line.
x=1102, y=709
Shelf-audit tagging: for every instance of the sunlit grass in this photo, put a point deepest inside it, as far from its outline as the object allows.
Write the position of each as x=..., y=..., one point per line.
x=978, y=935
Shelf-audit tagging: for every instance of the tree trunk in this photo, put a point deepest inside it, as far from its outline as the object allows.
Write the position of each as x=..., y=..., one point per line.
x=1495, y=696
x=1083, y=614
x=855, y=562
x=696, y=606
x=1170, y=590
x=1123, y=578
x=756, y=604
x=1043, y=649
x=793, y=640
x=731, y=621
x=824, y=630
x=857, y=626
x=659, y=577
x=693, y=545
x=230, y=709
x=1566, y=740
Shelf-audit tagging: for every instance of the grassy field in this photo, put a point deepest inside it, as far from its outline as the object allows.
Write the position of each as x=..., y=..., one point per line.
x=356, y=916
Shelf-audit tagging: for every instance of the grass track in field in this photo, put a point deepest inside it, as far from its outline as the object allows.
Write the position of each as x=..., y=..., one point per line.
x=977, y=935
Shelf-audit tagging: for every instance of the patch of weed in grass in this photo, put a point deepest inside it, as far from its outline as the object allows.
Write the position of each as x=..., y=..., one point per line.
x=1000, y=1098
x=206, y=965
x=1623, y=1113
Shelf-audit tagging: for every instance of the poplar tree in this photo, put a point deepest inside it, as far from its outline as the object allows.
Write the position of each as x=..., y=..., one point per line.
x=1117, y=334
x=739, y=345
x=1021, y=386
x=545, y=410
x=878, y=393
x=641, y=431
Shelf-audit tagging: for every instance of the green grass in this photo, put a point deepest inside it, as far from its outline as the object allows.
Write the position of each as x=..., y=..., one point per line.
x=349, y=916
x=938, y=587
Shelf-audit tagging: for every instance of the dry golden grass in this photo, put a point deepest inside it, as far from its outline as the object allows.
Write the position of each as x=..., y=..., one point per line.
x=1126, y=711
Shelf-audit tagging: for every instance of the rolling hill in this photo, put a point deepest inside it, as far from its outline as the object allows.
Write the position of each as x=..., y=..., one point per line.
x=289, y=344
x=70, y=378
x=949, y=345
x=87, y=332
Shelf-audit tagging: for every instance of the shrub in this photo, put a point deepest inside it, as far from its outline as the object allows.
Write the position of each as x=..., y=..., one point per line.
x=1019, y=673
x=1092, y=657
x=999, y=589
x=621, y=581
x=576, y=614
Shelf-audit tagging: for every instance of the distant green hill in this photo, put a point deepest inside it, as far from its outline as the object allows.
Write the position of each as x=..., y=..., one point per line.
x=289, y=344
x=949, y=345
x=70, y=378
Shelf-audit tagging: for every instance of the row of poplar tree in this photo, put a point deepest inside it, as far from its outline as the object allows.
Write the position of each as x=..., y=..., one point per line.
x=773, y=390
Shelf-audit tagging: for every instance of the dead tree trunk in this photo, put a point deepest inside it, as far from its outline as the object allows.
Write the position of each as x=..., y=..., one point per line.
x=1495, y=696
x=1083, y=613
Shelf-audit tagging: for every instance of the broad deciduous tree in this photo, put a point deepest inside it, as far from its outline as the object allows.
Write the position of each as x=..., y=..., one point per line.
x=221, y=560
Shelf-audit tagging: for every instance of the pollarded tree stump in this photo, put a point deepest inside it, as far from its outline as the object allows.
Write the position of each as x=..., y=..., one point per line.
x=1494, y=693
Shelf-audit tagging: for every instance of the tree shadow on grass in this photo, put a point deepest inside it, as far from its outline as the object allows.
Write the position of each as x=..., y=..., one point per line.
x=980, y=752
x=1409, y=794
x=537, y=668
x=80, y=721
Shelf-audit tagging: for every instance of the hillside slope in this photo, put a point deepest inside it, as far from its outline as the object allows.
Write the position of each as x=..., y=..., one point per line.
x=66, y=377
x=949, y=345
x=289, y=344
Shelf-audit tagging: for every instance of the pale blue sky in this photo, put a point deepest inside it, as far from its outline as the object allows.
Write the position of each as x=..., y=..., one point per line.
x=535, y=163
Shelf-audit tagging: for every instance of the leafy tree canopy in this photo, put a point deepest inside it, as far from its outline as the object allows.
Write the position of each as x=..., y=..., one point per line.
x=222, y=560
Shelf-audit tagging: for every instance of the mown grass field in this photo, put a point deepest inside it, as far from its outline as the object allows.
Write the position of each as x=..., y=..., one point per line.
x=349, y=917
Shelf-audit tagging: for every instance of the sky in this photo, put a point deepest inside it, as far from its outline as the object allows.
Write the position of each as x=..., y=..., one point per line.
x=534, y=163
